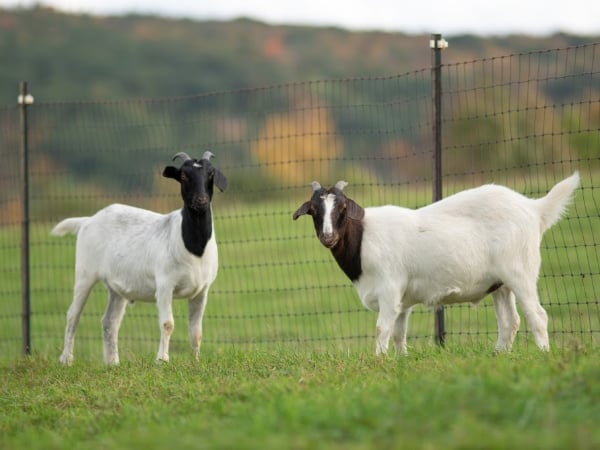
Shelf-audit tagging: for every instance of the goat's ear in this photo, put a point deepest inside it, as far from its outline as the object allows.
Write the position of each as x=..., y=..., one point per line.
x=172, y=172
x=220, y=180
x=304, y=209
x=354, y=210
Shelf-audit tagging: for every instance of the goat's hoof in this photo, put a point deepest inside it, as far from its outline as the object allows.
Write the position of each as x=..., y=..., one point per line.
x=66, y=360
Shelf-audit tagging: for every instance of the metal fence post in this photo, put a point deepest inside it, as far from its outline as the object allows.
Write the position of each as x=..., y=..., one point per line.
x=25, y=100
x=437, y=44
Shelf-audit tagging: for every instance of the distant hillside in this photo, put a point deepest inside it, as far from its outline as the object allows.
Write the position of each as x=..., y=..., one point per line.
x=82, y=57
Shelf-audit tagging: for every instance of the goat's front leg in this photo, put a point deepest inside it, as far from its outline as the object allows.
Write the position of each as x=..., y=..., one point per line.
x=111, y=322
x=388, y=313
x=81, y=292
x=400, y=329
x=164, y=301
x=196, y=307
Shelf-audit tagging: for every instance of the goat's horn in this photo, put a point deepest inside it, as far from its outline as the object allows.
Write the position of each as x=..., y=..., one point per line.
x=341, y=185
x=182, y=155
x=208, y=155
x=315, y=185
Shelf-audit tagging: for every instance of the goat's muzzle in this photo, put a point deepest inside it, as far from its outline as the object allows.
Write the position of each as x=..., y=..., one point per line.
x=200, y=202
x=329, y=240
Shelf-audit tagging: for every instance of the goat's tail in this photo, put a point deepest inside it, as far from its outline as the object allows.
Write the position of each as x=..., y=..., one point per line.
x=554, y=204
x=68, y=226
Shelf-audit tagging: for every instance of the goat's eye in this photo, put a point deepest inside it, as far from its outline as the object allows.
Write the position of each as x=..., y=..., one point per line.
x=184, y=177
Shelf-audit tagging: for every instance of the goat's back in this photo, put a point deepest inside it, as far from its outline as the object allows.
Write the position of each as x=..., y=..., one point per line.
x=120, y=232
x=490, y=204
x=480, y=234
x=122, y=227
x=478, y=225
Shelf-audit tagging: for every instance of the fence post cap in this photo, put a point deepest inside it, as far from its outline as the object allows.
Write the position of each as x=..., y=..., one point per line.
x=25, y=99
x=439, y=43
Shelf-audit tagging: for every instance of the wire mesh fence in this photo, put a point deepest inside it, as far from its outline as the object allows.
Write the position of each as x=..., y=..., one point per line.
x=525, y=120
x=528, y=120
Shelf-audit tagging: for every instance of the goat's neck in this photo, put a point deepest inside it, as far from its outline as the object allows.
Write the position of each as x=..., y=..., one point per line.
x=347, y=251
x=196, y=229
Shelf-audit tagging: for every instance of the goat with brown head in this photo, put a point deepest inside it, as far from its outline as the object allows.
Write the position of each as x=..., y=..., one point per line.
x=338, y=224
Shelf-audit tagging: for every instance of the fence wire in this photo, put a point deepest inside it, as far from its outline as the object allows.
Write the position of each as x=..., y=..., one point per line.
x=525, y=120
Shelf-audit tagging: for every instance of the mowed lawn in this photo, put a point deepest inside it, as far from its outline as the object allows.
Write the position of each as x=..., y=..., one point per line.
x=234, y=399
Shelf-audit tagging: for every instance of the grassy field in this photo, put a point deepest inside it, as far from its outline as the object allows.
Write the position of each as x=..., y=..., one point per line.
x=459, y=399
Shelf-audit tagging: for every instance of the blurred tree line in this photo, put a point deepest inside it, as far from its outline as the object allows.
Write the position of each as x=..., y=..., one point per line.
x=301, y=125
x=69, y=57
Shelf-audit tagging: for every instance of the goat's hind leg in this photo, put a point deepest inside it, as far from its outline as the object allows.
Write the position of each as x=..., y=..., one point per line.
x=537, y=319
x=81, y=292
x=111, y=322
x=164, y=300
x=507, y=318
x=523, y=282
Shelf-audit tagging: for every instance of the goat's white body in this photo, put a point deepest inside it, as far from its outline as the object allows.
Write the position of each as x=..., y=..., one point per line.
x=458, y=250
x=140, y=256
x=446, y=252
x=134, y=250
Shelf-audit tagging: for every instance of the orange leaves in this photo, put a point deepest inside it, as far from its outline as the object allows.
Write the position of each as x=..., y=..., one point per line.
x=298, y=146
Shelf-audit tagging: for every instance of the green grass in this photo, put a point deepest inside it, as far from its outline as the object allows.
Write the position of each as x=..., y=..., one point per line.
x=463, y=398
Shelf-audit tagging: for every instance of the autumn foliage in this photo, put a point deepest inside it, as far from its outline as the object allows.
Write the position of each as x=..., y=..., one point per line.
x=298, y=145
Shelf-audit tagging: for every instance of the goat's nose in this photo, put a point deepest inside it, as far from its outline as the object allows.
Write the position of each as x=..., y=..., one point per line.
x=200, y=201
x=328, y=239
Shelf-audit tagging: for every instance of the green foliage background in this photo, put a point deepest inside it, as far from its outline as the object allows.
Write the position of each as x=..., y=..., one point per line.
x=70, y=57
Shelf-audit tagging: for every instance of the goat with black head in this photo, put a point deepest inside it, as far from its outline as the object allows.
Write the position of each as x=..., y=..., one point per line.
x=197, y=178
x=146, y=256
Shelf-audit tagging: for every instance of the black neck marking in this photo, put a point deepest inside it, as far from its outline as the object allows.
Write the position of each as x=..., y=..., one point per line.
x=196, y=229
x=347, y=250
